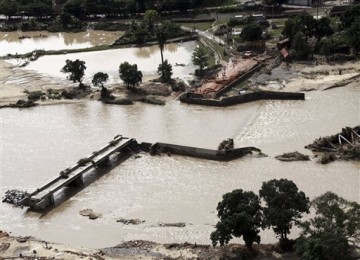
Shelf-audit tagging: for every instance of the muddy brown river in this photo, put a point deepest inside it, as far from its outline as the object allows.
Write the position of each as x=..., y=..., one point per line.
x=24, y=42
x=37, y=143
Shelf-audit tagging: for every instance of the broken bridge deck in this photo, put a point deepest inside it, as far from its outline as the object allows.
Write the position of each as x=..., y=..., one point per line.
x=43, y=197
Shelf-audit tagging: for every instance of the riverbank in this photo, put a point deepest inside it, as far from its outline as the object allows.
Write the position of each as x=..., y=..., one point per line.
x=32, y=248
x=16, y=83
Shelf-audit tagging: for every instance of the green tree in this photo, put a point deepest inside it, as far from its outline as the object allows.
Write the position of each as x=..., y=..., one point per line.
x=303, y=23
x=9, y=8
x=327, y=235
x=349, y=16
x=240, y=215
x=200, y=58
x=354, y=34
x=165, y=71
x=323, y=28
x=139, y=32
x=251, y=32
x=76, y=70
x=285, y=205
x=130, y=74
x=76, y=8
x=98, y=81
x=292, y=26
x=150, y=17
x=300, y=46
x=161, y=38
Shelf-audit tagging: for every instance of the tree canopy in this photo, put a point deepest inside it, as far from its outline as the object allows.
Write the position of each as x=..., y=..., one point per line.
x=240, y=215
x=251, y=32
x=284, y=205
x=130, y=74
x=328, y=234
x=76, y=70
x=99, y=79
x=165, y=71
x=200, y=58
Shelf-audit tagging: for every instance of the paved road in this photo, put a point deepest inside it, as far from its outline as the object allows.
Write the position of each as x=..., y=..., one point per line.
x=205, y=34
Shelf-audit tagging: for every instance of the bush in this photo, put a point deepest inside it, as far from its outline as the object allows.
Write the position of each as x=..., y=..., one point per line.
x=152, y=100
x=178, y=86
x=35, y=95
x=111, y=26
x=120, y=101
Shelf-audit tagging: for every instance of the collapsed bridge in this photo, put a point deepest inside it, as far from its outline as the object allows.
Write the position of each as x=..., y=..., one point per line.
x=120, y=147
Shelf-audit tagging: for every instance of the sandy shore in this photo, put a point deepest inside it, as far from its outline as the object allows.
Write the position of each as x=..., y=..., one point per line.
x=32, y=248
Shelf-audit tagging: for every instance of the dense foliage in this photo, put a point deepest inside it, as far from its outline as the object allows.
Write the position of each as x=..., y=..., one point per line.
x=284, y=205
x=165, y=71
x=251, y=32
x=329, y=234
x=240, y=215
x=76, y=70
x=130, y=74
x=84, y=8
x=200, y=58
x=324, y=36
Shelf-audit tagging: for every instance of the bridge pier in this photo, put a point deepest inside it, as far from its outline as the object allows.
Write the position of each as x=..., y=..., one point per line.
x=105, y=162
x=78, y=182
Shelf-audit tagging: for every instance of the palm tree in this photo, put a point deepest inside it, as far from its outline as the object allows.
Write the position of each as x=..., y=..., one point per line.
x=162, y=38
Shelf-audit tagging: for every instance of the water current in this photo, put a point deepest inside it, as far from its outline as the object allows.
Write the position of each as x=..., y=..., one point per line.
x=37, y=143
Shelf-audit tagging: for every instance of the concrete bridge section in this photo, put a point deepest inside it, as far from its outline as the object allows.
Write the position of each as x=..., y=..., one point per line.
x=43, y=197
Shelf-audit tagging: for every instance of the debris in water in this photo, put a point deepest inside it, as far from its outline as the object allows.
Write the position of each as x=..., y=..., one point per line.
x=290, y=157
x=15, y=196
x=345, y=145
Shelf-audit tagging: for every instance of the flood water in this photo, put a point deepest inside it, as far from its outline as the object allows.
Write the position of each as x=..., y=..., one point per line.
x=38, y=143
x=108, y=61
x=13, y=42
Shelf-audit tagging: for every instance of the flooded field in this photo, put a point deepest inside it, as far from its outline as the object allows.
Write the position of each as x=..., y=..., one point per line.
x=39, y=142
x=108, y=61
x=24, y=42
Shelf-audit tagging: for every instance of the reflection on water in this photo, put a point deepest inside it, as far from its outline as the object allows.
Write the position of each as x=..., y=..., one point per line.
x=108, y=61
x=39, y=142
x=24, y=42
x=146, y=52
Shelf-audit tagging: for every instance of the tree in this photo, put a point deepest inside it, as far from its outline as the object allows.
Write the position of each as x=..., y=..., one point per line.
x=327, y=235
x=139, y=32
x=161, y=38
x=354, y=34
x=149, y=19
x=323, y=28
x=251, y=32
x=240, y=215
x=349, y=16
x=324, y=244
x=165, y=71
x=304, y=23
x=98, y=81
x=200, y=58
x=300, y=46
x=284, y=205
x=76, y=69
x=9, y=8
x=130, y=74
